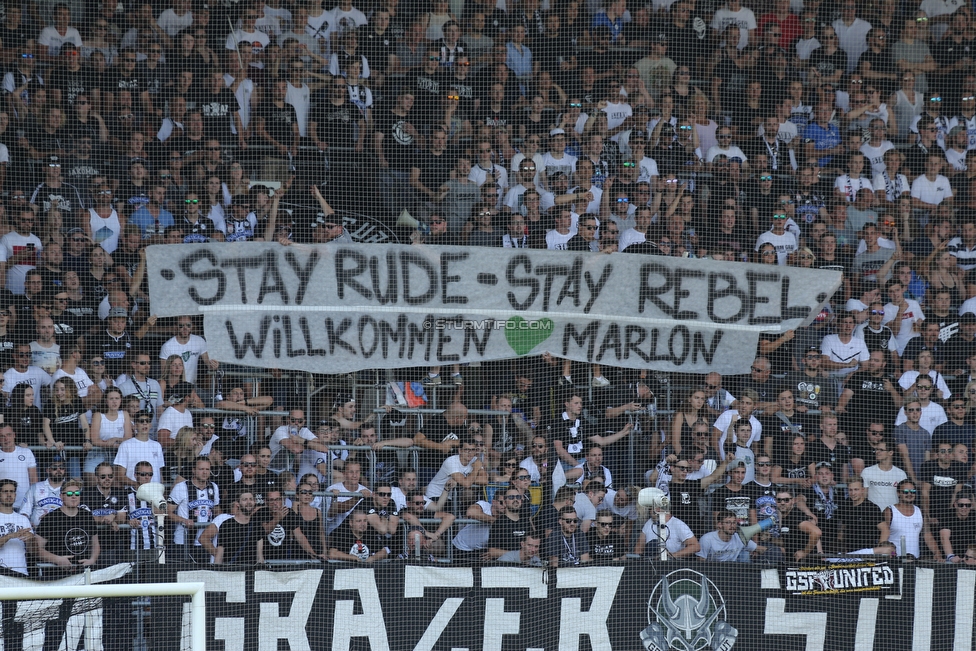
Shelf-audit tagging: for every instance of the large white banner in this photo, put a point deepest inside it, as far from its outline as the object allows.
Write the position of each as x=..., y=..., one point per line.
x=336, y=309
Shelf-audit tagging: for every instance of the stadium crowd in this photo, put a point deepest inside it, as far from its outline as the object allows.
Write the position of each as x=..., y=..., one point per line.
x=828, y=134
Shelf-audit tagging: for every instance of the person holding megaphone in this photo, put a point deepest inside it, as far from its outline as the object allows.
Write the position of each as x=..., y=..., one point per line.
x=726, y=543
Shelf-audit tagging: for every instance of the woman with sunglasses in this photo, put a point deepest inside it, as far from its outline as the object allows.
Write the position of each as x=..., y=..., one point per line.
x=310, y=522
x=906, y=526
x=508, y=467
x=606, y=543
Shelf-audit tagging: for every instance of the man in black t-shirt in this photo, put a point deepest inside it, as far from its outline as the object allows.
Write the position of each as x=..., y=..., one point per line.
x=428, y=87
x=277, y=125
x=858, y=520
x=238, y=537
x=351, y=541
x=333, y=122
x=394, y=141
x=734, y=496
x=68, y=536
x=508, y=530
x=942, y=478
x=278, y=523
x=869, y=394
x=104, y=501
x=217, y=107
x=958, y=530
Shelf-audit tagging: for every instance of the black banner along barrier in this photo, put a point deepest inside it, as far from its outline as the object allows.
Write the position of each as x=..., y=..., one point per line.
x=629, y=606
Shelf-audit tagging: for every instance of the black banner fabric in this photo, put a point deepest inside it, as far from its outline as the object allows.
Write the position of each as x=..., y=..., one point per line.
x=632, y=606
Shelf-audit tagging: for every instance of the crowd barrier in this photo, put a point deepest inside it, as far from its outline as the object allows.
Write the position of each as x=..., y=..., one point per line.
x=879, y=603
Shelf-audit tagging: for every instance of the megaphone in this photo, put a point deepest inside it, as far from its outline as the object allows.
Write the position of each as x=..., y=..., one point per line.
x=406, y=220
x=654, y=498
x=152, y=493
x=746, y=533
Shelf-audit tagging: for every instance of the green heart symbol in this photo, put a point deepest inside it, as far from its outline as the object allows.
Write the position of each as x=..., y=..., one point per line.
x=524, y=335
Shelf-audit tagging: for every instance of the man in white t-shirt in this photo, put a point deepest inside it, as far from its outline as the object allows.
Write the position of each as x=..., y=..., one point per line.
x=874, y=149
x=843, y=352
x=16, y=463
x=190, y=347
x=136, y=450
x=558, y=238
x=176, y=417
x=249, y=36
x=18, y=251
x=734, y=13
x=882, y=478
x=783, y=240
x=16, y=528
x=346, y=17
x=342, y=505
x=724, y=148
x=900, y=314
x=23, y=373
x=465, y=468
x=177, y=18
x=54, y=36
x=931, y=189
x=556, y=159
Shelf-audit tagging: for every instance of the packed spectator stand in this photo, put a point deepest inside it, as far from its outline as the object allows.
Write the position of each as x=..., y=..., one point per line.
x=821, y=134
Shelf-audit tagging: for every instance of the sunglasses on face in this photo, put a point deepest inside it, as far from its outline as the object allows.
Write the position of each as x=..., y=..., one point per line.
x=73, y=493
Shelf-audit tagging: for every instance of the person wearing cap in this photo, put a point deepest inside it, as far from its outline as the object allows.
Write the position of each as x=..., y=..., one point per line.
x=174, y=418
x=782, y=240
x=138, y=450
x=656, y=69
x=45, y=496
x=556, y=160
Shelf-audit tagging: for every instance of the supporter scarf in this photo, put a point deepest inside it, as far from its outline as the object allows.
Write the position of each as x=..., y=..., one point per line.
x=829, y=505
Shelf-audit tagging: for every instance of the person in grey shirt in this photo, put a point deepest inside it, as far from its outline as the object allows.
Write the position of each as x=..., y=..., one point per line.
x=527, y=554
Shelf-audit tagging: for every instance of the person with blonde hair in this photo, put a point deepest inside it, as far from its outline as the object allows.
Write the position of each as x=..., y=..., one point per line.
x=110, y=425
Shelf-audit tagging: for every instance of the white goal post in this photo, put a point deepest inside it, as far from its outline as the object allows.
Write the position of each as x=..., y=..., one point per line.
x=198, y=604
